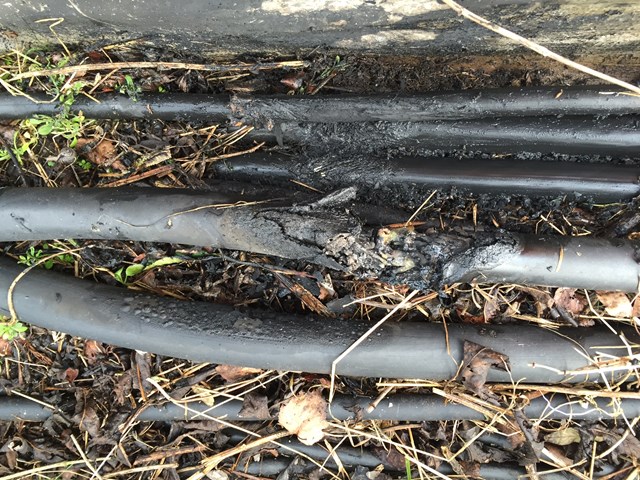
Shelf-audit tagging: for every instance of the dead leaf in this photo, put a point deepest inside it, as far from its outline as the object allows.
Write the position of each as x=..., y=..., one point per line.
x=305, y=416
x=564, y=436
x=70, y=374
x=5, y=348
x=294, y=81
x=232, y=373
x=205, y=395
x=91, y=350
x=567, y=299
x=390, y=456
x=628, y=447
x=491, y=308
x=255, y=407
x=478, y=360
x=616, y=304
x=89, y=422
x=102, y=154
x=636, y=307
x=542, y=299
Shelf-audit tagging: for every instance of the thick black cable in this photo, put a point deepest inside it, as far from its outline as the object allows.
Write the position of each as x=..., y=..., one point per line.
x=317, y=234
x=207, y=332
x=269, y=109
x=398, y=407
x=166, y=106
x=452, y=105
x=565, y=135
x=601, y=182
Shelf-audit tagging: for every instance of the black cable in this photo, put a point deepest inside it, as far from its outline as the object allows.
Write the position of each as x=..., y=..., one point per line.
x=453, y=105
x=565, y=135
x=397, y=407
x=601, y=182
x=348, y=108
x=316, y=233
x=206, y=332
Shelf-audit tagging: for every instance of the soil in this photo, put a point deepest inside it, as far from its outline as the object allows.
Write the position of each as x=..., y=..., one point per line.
x=98, y=388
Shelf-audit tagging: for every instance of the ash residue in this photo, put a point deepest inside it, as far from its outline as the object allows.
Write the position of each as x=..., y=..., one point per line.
x=398, y=256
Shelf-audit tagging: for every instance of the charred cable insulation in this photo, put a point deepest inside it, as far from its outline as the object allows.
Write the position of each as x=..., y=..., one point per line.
x=323, y=232
x=580, y=120
x=611, y=136
x=599, y=182
x=205, y=332
x=397, y=407
x=348, y=108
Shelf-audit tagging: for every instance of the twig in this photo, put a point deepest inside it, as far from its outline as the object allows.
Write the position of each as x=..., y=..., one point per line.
x=159, y=171
x=12, y=287
x=200, y=475
x=545, y=52
x=91, y=67
x=84, y=458
x=355, y=344
x=44, y=468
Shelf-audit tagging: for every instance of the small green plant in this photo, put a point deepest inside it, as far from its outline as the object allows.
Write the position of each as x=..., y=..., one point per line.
x=34, y=255
x=84, y=164
x=129, y=88
x=124, y=274
x=10, y=329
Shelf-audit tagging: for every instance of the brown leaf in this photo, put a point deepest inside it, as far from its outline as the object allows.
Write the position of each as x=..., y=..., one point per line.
x=91, y=350
x=70, y=374
x=542, y=299
x=102, y=154
x=255, y=406
x=636, y=307
x=305, y=416
x=567, y=299
x=629, y=446
x=491, y=308
x=294, y=81
x=616, y=304
x=478, y=360
x=232, y=373
x=90, y=422
x=5, y=348
x=390, y=456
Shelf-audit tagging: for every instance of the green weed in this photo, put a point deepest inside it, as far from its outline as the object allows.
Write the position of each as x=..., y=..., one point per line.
x=11, y=329
x=33, y=255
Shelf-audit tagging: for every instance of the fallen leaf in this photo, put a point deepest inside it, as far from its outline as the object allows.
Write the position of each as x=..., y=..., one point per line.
x=102, y=154
x=567, y=299
x=305, y=416
x=232, y=373
x=294, y=81
x=205, y=395
x=629, y=446
x=478, y=360
x=70, y=374
x=542, y=299
x=636, y=307
x=616, y=304
x=491, y=309
x=564, y=436
x=91, y=350
x=5, y=348
x=254, y=407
